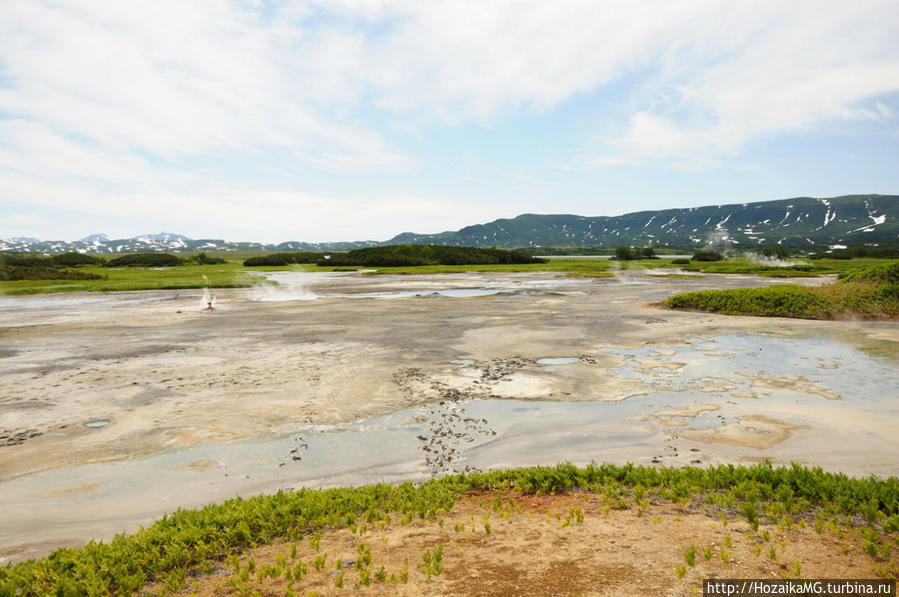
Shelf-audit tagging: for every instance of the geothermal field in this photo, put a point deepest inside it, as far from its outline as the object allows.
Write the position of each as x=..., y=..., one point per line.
x=119, y=407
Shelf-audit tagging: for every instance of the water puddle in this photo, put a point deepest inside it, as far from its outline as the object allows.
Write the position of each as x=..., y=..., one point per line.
x=98, y=424
x=558, y=360
x=305, y=286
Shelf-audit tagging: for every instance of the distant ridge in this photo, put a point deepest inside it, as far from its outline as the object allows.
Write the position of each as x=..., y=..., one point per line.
x=95, y=238
x=798, y=222
x=803, y=221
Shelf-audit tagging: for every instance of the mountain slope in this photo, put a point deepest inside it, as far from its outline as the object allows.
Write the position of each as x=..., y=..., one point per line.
x=853, y=219
x=799, y=222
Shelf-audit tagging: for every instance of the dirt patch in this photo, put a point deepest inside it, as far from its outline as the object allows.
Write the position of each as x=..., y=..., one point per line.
x=573, y=544
x=751, y=431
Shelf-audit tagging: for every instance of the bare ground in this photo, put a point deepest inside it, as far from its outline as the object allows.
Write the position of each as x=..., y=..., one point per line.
x=572, y=544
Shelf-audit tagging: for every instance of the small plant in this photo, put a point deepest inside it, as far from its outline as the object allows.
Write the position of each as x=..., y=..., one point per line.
x=690, y=556
x=772, y=553
x=796, y=568
x=381, y=575
x=680, y=571
x=725, y=556
x=365, y=577
x=319, y=562
x=174, y=580
x=338, y=581
x=364, y=555
x=299, y=571
x=707, y=554
x=432, y=561
x=315, y=541
x=728, y=542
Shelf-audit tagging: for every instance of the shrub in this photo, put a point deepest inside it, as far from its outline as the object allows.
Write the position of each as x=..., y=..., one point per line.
x=72, y=259
x=203, y=259
x=146, y=260
x=275, y=259
x=624, y=253
x=628, y=253
x=870, y=291
x=778, y=301
x=708, y=256
x=680, y=261
x=887, y=273
x=43, y=273
x=16, y=266
x=412, y=255
x=776, y=251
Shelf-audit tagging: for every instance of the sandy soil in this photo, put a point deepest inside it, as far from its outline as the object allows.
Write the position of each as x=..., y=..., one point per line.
x=166, y=373
x=539, y=546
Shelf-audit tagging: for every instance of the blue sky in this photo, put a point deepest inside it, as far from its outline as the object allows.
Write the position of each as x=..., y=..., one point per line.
x=360, y=119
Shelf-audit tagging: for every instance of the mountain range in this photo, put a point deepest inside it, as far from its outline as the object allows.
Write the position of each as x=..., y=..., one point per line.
x=798, y=222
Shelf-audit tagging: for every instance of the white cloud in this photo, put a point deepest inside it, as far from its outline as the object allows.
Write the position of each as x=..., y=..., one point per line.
x=107, y=107
x=177, y=79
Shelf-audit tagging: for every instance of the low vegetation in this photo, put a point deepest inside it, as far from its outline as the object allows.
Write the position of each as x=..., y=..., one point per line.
x=146, y=260
x=209, y=538
x=633, y=253
x=278, y=259
x=858, y=253
x=707, y=256
x=415, y=255
x=871, y=292
x=17, y=266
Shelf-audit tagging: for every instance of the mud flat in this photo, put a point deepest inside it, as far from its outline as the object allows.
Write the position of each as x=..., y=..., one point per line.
x=118, y=407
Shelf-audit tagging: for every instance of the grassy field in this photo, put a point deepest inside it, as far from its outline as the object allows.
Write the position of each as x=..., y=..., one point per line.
x=234, y=275
x=198, y=542
x=228, y=275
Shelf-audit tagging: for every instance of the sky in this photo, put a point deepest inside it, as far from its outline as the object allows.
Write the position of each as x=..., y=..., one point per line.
x=360, y=119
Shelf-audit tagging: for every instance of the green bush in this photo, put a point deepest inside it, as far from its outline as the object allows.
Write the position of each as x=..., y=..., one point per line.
x=18, y=266
x=411, y=255
x=708, y=256
x=778, y=301
x=146, y=260
x=871, y=291
x=775, y=251
x=858, y=252
x=629, y=253
x=10, y=273
x=72, y=259
x=203, y=259
x=276, y=259
x=887, y=273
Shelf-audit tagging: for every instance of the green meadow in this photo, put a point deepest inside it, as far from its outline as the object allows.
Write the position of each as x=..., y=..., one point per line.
x=234, y=274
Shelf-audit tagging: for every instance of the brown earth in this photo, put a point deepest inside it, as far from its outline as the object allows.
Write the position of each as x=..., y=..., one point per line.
x=572, y=544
